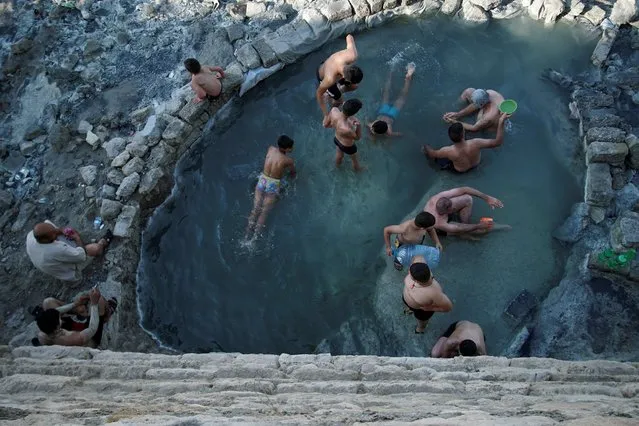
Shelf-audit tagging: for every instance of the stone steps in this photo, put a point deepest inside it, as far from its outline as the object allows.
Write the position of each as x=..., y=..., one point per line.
x=58, y=385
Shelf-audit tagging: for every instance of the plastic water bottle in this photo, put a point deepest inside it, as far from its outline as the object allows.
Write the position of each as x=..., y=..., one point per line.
x=97, y=223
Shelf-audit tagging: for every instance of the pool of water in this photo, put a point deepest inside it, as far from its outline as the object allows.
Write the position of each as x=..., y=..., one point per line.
x=319, y=277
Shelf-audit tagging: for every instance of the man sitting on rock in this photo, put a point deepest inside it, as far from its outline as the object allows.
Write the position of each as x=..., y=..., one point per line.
x=485, y=103
x=67, y=325
x=452, y=210
x=205, y=80
x=338, y=74
x=61, y=253
x=460, y=338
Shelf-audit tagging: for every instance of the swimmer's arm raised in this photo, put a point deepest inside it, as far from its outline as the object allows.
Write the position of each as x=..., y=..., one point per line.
x=351, y=49
x=499, y=138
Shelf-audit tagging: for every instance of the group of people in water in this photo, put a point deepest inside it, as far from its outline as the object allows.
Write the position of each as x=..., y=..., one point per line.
x=446, y=213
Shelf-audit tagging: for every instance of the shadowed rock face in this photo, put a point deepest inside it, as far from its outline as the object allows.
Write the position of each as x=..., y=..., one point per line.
x=84, y=386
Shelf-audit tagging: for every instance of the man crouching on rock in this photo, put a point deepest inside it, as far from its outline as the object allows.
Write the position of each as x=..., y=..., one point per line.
x=67, y=325
x=205, y=80
x=61, y=252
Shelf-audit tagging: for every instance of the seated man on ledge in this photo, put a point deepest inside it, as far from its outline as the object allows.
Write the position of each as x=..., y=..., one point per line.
x=452, y=210
x=67, y=325
x=464, y=155
x=410, y=241
x=461, y=338
x=486, y=102
x=61, y=253
x=205, y=80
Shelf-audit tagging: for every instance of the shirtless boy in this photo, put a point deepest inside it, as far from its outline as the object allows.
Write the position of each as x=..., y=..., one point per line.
x=459, y=202
x=205, y=80
x=410, y=241
x=485, y=103
x=423, y=295
x=348, y=130
x=464, y=155
x=461, y=338
x=388, y=112
x=268, y=185
x=338, y=74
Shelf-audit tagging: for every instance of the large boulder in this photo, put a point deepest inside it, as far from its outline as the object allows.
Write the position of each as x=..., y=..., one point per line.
x=624, y=233
x=605, y=152
x=598, y=185
x=546, y=10
x=624, y=11
x=473, y=13
x=574, y=226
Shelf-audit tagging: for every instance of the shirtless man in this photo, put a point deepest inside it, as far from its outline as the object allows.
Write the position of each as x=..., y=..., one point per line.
x=268, y=185
x=486, y=102
x=388, y=112
x=49, y=322
x=205, y=80
x=347, y=130
x=410, y=241
x=72, y=318
x=338, y=74
x=461, y=338
x=459, y=201
x=423, y=295
x=464, y=155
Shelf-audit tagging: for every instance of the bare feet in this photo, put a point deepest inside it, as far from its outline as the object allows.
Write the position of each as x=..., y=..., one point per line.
x=410, y=70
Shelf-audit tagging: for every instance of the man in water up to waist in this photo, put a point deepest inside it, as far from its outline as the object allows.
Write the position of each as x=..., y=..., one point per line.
x=337, y=74
x=423, y=295
x=460, y=338
x=410, y=241
x=348, y=130
x=485, y=103
x=464, y=155
x=268, y=185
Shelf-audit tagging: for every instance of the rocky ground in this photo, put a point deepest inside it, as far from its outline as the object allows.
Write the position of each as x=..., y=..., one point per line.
x=95, y=114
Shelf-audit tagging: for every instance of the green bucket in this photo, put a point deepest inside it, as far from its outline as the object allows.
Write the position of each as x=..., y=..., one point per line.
x=508, y=106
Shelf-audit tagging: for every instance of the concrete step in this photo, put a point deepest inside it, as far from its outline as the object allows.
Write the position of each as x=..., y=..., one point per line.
x=86, y=386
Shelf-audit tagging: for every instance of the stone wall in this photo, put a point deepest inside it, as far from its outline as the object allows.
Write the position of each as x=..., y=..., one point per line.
x=62, y=385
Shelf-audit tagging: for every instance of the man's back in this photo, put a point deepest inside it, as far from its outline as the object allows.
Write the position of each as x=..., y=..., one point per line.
x=58, y=258
x=421, y=297
x=275, y=163
x=467, y=155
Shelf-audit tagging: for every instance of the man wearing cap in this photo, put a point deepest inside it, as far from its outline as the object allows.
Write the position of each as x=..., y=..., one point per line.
x=485, y=103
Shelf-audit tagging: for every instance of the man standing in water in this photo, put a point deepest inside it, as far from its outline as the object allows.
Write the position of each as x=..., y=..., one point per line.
x=410, y=241
x=464, y=155
x=268, y=185
x=461, y=338
x=338, y=74
x=485, y=103
x=423, y=295
x=347, y=130
x=388, y=112
x=205, y=80
x=459, y=202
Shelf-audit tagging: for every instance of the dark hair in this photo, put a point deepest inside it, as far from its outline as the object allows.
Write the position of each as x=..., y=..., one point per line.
x=284, y=142
x=192, y=65
x=380, y=127
x=420, y=272
x=353, y=74
x=351, y=107
x=468, y=348
x=456, y=132
x=424, y=220
x=443, y=204
x=48, y=321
